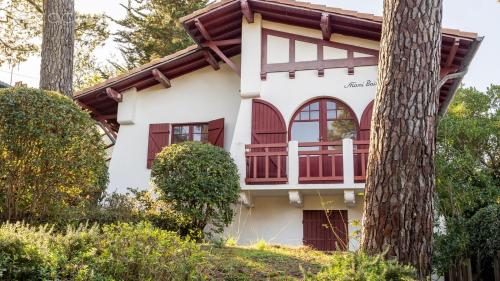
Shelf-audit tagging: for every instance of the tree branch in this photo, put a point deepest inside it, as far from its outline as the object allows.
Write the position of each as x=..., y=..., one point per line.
x=35, y=5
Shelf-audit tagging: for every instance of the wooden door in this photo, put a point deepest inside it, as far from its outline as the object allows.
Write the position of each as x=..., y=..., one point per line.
x=325, y=230
x=268, y=127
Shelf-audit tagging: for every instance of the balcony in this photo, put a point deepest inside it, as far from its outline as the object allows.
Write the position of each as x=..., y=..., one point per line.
x=340, y=164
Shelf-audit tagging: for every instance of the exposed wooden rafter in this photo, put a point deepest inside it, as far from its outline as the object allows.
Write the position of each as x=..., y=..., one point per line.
x=447, y=70
x=453, y=53
x=202, y=30
x=108, y=129
x=214, y=45
x=115, y=95
x=211, y=59
x=246, y=10
x=326, y=28
x=109, y=116
x=162, y=79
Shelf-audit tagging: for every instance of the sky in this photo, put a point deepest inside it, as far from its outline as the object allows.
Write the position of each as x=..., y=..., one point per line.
x=480, y=16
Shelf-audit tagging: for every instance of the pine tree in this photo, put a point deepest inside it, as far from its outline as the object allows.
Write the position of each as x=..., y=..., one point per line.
x=152, y=30
x=400, y=175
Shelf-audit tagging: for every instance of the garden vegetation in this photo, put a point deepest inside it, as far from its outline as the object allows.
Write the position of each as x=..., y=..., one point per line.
x=52, y=162
x=201, y=183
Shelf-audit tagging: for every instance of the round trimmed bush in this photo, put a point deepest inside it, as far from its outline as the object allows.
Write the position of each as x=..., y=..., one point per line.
x=52, y=158
x=200, y=181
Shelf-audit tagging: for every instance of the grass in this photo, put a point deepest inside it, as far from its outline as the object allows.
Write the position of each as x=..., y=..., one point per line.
x=265, y=263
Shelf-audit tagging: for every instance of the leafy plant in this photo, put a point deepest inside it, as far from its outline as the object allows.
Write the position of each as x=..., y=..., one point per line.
x=361, y=267
x=260, y=245
x=52, y=158
x=200, y=181
x=468, y=165
x=114, y=252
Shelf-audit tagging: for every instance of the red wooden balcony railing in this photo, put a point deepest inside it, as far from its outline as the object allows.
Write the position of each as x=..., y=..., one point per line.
x=266, y=163
x=320, y=162
x=360, y=151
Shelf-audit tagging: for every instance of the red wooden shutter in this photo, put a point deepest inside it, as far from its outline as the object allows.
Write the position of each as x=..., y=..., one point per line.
x=366, y=122
x=158, y=139
x=216, y=132
x=364, y=134
x=268, y=126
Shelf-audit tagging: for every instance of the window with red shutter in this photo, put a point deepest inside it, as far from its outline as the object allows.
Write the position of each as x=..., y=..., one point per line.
x=158, y=139
x=190, y=132
x=216, y=132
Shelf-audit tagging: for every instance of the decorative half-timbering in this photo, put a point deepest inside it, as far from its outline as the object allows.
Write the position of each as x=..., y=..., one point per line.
x=289, y=52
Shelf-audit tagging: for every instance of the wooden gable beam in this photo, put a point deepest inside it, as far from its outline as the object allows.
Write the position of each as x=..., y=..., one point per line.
x=99, y=118
x=453, y=53
x=246, y=10
x=214, y=45
x=211, y=59
x=202, y=30
x=162, y=79
x=115, y=95
x=325, y=24
x=221, y=55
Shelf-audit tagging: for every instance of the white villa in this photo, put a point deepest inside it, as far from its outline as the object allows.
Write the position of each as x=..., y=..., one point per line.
x=287, y=88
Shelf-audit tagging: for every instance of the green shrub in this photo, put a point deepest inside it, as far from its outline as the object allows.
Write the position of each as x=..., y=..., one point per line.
x=133, y=207
x=361, y=267
x=200, y=181
x=114, y=252
x=52, y=162
x=484, y=230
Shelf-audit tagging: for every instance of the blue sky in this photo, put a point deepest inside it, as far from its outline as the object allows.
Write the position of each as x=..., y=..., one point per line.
x=480, y=16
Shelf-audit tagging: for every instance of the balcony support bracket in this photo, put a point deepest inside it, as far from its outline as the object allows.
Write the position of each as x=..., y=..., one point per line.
x=349, y=198
x=245, y=199
x=296, y=199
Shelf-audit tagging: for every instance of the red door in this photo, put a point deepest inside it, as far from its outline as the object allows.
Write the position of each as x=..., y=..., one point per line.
x=322, y=120
x=325, y=230
x=268, y=126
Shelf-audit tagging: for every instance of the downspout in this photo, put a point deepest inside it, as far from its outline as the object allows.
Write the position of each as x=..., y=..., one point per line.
x=461, y=73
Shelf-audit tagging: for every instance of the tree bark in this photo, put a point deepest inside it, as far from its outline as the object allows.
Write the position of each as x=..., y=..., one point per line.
x=56, y=72
x=398, y=215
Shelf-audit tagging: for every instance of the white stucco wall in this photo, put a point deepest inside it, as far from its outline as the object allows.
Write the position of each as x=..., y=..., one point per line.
x=200, y=96
x=207, y=94
x=275, y=221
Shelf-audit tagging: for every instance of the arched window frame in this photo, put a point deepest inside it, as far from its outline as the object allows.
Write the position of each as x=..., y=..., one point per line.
x=327, y=98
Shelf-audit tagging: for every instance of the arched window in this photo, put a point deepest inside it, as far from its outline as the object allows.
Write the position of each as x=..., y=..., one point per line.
x=323, y=119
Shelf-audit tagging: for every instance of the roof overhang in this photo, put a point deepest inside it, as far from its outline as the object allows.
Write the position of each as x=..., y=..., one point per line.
x=223, y=21
x=4, y=85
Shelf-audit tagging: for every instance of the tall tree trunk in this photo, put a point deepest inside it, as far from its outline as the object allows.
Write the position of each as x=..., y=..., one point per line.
x=400, y=178
x=56, y=72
